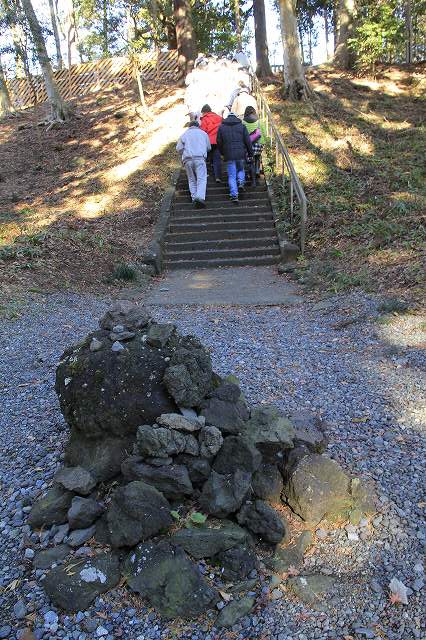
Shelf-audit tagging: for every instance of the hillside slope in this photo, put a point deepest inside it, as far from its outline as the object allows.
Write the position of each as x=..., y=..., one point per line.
x=359, y=150
x=81, y=199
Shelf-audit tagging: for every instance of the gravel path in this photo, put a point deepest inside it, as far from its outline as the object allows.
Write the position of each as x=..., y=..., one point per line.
x=366, y=379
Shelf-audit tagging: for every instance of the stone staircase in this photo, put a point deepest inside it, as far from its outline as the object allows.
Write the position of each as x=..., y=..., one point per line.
x=224, y=233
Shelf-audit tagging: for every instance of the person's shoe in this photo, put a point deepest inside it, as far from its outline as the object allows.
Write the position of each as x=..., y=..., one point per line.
x=241, y=187
x=253, y=183
x=234, y=199
x=199, y=204
x=218, y=180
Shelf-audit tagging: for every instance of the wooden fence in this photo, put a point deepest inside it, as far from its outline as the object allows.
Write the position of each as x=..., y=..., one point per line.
x=91, y=77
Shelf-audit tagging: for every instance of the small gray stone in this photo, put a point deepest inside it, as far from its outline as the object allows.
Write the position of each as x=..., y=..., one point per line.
x=80, y=536
x=45, y=558
x=76, y=479
x=20, y=610
x=29, y=554
x=61, y=532
x=83, y=512
x=95, y=344
x=159, y=334
x=5, y=631
x=234, y=611
x=123, y=336
x=176, y=421
x=210, y=440
x=117, y=347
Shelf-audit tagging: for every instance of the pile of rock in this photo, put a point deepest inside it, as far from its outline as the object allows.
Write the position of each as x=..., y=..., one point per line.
x=158, y=438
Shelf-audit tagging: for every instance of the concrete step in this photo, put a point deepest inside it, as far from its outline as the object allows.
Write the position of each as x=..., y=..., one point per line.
x=220, y=194
x=209, y=215
x=197, y=227
x=216, y=215
x=225, y=203
x=213, y=254
x=222, y=262
x=221, y=198
x=223, y=234
x=173, y=245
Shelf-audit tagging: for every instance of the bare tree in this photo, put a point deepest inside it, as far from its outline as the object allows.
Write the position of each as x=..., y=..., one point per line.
x=71, y=33
x=58, y=108
x=408, y=32
x=327, y=34
x=343, y=57
x=295, y=84
x=184, y=36
x=54, y=21
x=238, y=23
x=263, y=68
x=5, y=102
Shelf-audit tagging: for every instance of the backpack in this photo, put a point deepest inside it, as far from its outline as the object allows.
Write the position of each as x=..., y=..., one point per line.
x=255, y=135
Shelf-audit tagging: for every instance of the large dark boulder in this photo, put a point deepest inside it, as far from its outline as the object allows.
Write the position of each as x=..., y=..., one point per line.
x=189, y=378
x=121, y=377
x=137, y=511
x=171, y=583
x=74, y=585
x=260, y=518
x=224, y=494
x=172, y=480
x=52, y=508
x=207, y=541
x=226, y=408
x=237, y=453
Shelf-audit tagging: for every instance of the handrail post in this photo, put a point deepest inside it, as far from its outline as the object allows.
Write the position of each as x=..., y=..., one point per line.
x=281, y=150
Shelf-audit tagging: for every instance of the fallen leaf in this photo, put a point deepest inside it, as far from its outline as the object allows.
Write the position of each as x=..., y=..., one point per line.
x=225, y=596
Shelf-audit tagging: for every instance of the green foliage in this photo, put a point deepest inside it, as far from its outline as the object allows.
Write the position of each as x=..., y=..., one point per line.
x=379, y=33
x=194, y=518
x=125, y=271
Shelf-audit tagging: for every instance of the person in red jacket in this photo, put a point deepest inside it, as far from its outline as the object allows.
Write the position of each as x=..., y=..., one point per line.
x=210, y=123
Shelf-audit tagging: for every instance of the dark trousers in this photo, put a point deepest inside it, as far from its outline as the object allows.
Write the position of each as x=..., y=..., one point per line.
x=216, y=160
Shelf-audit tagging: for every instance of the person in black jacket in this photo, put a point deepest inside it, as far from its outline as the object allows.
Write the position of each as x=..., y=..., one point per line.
x=233, y=142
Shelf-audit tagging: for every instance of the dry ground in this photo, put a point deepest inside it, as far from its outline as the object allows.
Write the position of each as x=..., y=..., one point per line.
x=360, y=151
x=79, y=200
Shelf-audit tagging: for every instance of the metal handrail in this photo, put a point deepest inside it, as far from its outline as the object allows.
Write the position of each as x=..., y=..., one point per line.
x=282, y=157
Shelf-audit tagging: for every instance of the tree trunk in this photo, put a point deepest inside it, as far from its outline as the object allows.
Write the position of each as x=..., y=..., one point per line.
x=310, y=46
x=131, y=26
x=171, y=36
x=71, y=33
x=263, y=68
x=408, y=33
x=327, y=35
x=302, y=50
x=5, y=103
x=105, y=27
x=295, y=85
x=184, y=36
x=343, y=57
x=335, y=26
x=59, y=60
x=238, y=23
x=59, y=111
